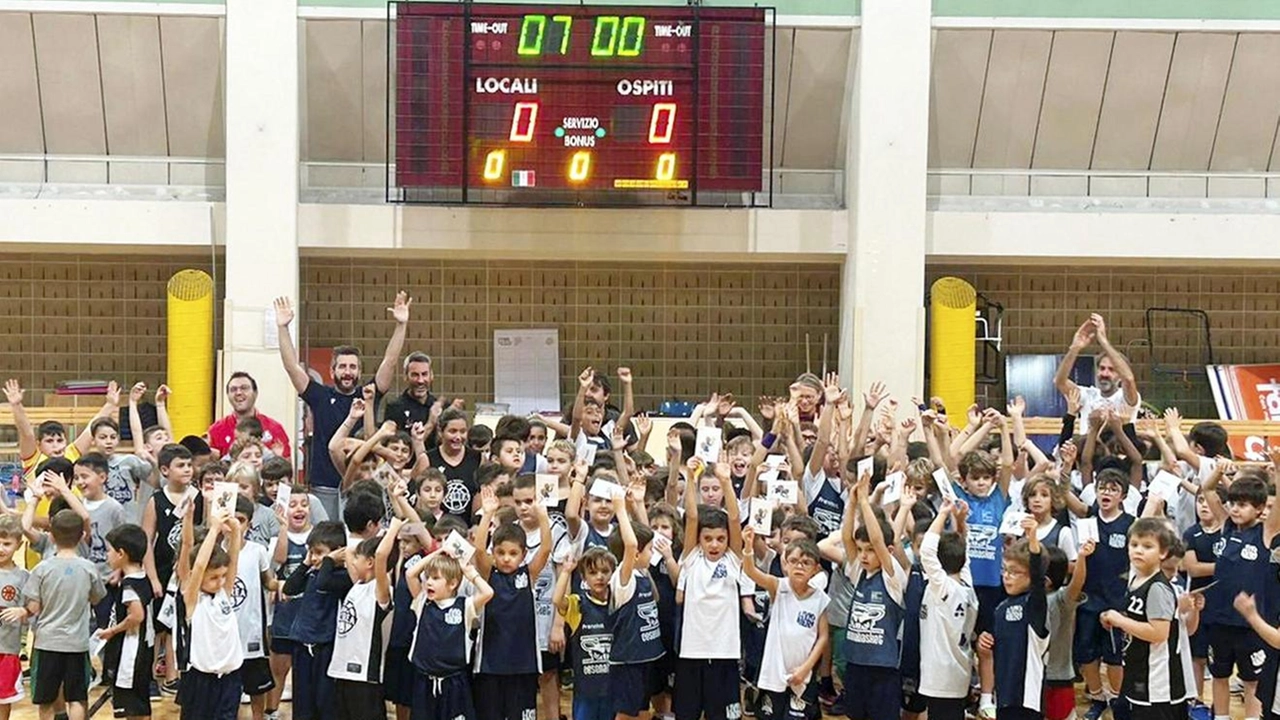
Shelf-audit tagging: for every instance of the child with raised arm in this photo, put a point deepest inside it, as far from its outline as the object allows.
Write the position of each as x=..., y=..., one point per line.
x=708, y=593
x=55, y=476
x=162, y=521
x=949, y=611
x=253, y=581
x=1093, y=645
x=550, y=626
x=360, y=645
x=211, y=686
x=590, y=619
x=1020, y=636
x=1243, y=566
x=633, y=602
x=872, y=637
x=129, y=635
x=797, y=633
x=441, y=651
x=507, y=662
x=1154, y=682
x=1063, y=600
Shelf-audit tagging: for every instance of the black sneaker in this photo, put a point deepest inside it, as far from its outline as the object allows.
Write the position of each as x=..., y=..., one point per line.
x=837, y=706
x=155, y=691
x=170, y=687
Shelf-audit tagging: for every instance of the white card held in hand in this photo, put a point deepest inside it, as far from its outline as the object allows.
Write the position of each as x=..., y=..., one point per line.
x=283, y=493
x=1165, y=486
x=1011, y=523
x=604, y=489
x=773, y=462
x=224, y=496
x=1086, y=530
x=943, y=480
x=768, y=476
x=548, y=489
x=784, y=492
x=457, y=547
x=866, y=466
x=893, y=484
x=587, y=453
x=708, y=446
x=761, y=518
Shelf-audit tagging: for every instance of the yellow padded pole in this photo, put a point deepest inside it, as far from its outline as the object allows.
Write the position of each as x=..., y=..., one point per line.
x=952, y=364
x=190, y=352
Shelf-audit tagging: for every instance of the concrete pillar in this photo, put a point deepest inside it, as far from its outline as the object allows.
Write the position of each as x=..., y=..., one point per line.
x=262, y=125
x=887, y=148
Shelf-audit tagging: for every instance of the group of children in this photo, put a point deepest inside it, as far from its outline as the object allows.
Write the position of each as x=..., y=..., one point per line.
x=841, y=561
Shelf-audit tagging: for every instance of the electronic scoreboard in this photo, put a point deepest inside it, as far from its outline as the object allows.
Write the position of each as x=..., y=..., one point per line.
x=579, y=105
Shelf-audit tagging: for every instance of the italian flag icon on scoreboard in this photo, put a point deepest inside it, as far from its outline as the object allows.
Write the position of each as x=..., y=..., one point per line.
x=523, y=178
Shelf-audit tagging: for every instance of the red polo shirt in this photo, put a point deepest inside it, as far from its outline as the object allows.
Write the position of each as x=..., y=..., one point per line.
x=223, y=433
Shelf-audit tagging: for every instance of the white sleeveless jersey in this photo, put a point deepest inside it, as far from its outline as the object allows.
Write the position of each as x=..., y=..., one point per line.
x=249, y=601
x=360, y=641
x=212, y=624
x=793, y=630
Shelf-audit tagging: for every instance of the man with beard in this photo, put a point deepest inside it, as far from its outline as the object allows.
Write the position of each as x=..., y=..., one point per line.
x=1116, y=387
x=416, y=404
x=330, y=405
x=242, y=393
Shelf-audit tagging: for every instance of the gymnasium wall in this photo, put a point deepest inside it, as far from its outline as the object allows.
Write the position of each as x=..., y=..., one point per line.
x=82, y=316
x=685, y=329
x=1045, y=305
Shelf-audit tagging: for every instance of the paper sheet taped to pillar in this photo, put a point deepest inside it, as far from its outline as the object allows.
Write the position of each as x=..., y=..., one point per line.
x=526, y=370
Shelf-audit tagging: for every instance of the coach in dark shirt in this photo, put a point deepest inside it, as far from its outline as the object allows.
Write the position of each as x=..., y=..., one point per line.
x=416, y=404
x=330, y=404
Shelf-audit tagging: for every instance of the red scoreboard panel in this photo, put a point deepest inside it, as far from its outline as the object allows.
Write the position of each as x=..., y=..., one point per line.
x=579, y=105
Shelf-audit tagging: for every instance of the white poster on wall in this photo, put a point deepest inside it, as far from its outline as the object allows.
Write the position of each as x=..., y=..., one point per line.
x=526, y=370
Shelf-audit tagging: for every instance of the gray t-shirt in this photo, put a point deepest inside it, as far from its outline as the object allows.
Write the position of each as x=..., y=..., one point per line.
x=263, y=526
x=124, y=474
x=1062, y=624
x=840, y=590
x=12, y=581
x=105, y=515
x=65, y=588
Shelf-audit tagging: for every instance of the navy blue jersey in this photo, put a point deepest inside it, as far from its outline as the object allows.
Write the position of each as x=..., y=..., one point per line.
x=873, y=633
x=1054, y=537
x=595, y=539
x=589, y=648
x=508, y=643
x=913, y=603
x=665, y=589
x=1108, y=566
x=1207, y=546
x=1244, y=566
x=316, y=622
x=440, y=647
x=286, y=610
x=827, y=507
x=402, y=619
x=1021, y=631
x=637, y=634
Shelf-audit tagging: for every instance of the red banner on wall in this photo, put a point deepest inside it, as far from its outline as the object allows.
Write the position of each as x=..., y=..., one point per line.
x=1247, y=392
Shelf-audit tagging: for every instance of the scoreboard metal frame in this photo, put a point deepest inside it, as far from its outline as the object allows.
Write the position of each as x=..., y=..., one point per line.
x=578, y=105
